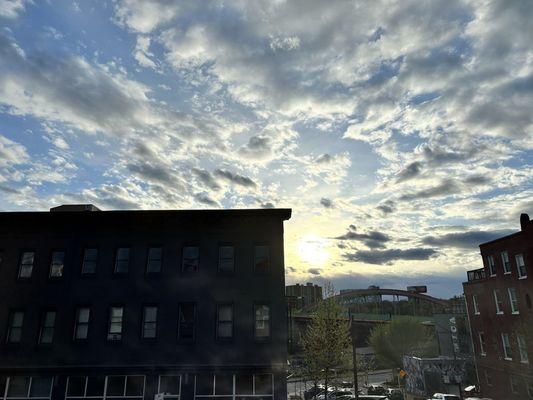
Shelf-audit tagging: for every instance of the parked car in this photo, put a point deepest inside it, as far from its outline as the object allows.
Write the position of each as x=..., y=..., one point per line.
x=314, y=391
x=444, y=396
x=379, y=390
x=373, y=397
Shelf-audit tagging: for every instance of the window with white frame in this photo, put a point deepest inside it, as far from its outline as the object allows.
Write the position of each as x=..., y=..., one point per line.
x=513, y=380
x=482, y=343
x=122, y=260
x=48, y=322
x=505, y=262
x=522, y=348
x=90, y=259
x=498, y=301
x=507, y=354
x=492, y=266
x=85, y=387
x=81, y=327
x=114, y=331
x=262, y=321
x=14, y=328
x=154, y=260
x=190, y=259
x=170, y=386
x=475, y=304
x=521, y=266
x=234, y=386
x=226, y=259
x=57, y=264
x=28, y=387
x=224, y=321
x=149, y=327
x=513, y=300
x=27, y=259
x=124, y=387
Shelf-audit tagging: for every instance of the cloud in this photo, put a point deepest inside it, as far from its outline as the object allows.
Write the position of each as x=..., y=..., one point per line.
x=206, y=179
x=372, y=239
x=380, y=257
x=12, y=153
x=409, y=172
x=465, y=240
x=387, y=207
x=235, y=178
x=445, y=188
x=145, y=15
x=314, y=271
x=258, y=147
x=326, y=202
x=204, y=198
x=12, y=8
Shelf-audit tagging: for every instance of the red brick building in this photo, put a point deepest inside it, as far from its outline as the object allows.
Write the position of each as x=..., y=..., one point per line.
x=499, y=301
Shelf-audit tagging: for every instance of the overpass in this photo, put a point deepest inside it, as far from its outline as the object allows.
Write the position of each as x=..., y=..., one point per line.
x=345, y=295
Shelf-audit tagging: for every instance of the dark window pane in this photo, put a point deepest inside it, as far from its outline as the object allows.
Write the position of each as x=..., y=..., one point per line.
x=95, y=385
x=122, y=260
x=226, y=262
x=41, y=387
x=191, y=255
x=224, y=384
x=244, y=384
x=135, y=386
x=47, y=328
x=115, y=385
x=204, y=384
x=57, y=264
x=263, y=384
x=90, y=257
x=82, y=323
x=261, y=258
x=225, y=321
x=18, y=386
x=154, y=260
x=187, y=313
x=169, y=385
x=15, y=327
x=26, y=264
x=149, y=322
x=76, y=386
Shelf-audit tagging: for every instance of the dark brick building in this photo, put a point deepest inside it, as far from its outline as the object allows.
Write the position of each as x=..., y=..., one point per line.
x=129, y=304
x=499, y=297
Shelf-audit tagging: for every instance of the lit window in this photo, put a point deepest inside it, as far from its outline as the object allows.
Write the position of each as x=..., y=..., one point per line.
x=513, y=300
x=482, y=343
x=122, y=260
x=149, y=330
x=521, y=266
x=522, y=348
x=513, y=380
x=226, y=259
x=224, y=321
x=90, y=258
x=498, y=302
x=170, y=385
x=508, y=355
x=153, y=264
x=191, y=259
x=81, y=328
x=14, y=331
x=474, y=303
x=262, y=321
x=261, y=258
x=115, y=323
x=57, y=264
x=505, y=262
x=492, y=266
x=46, y=335
x=186, y=321
x=26, y=264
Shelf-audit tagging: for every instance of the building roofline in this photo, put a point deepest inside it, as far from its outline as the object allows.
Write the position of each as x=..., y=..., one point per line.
x=501, y=238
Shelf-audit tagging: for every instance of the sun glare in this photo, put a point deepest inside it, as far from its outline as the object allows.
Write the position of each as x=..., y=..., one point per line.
x=312, y=249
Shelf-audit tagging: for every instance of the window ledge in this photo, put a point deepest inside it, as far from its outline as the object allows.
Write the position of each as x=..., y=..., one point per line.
x=515, y=312
x=507, y=359
x=499, y=313
x=483, y=354
x=525, y=362
x=507, y=273
x=477, y=313
x=492, y=276
x=523, y=277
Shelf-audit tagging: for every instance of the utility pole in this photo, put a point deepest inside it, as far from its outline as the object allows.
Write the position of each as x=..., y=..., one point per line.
x=353, y=334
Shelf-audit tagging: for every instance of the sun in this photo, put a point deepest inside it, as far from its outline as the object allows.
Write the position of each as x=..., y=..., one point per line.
x=312, y=249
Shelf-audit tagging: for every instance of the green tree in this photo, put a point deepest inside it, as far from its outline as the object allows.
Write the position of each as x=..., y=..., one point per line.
x=402, y=336
x=326, y=342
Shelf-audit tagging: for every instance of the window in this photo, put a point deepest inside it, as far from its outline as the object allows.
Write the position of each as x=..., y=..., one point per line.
x=90, y=258
x=122, y=260
x=224, y=321
x=482, y=343
x=521, y=266
x=186, y=321
x=14, y=330
x=26, y=264
x=237, y=386
x=114, y=331
x=85, y=387
x=513, y=300
x=149, y=329
x=191, y=259
x=25, y=387
x=130, y=387
x=498, y=302
x=153, y=263
x=81, y=327
x=522, y=348
x=226, y=259
x=261, y=259
x=57, y=264
x=505, y=262
x=170, y=385
x=474, y=303
x=46, y=334
x=262, y=321
x=508, y=355
x=513, y=380
x=492, y=266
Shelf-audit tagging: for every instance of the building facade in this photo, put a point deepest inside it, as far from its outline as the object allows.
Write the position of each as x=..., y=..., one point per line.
x=305, y=295
x=499, y=307
x=135, y=304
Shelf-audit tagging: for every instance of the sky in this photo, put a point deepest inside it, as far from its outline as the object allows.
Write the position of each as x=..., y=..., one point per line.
x=400, y=132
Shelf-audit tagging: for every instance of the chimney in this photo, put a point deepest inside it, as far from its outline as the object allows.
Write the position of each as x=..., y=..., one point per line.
x=524, y=220
x=75, y=207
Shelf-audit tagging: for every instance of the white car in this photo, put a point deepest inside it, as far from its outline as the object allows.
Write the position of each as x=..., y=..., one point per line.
x=444, y=396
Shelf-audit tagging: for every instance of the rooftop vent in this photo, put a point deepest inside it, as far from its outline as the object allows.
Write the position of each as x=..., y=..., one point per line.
x=524, y=220
x=75, y=207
